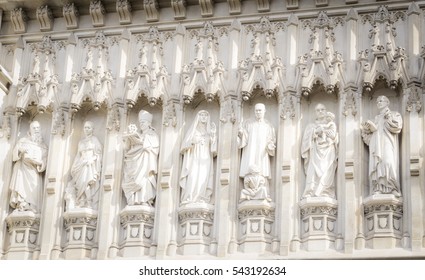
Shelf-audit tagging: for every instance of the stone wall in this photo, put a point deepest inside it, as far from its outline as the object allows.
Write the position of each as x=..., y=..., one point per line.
x=105, y=66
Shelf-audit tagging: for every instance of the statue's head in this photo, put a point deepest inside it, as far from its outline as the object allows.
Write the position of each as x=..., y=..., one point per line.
x=145, y=119
x=382, y=102
x=260, y=110
x=35, y=128
x=203, y=116
x=320, y=111
x=88, y=128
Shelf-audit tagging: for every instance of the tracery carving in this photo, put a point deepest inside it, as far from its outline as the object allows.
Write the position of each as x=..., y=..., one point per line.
x=262, y=70
x=322, y=64
x=384, y=60
x=150, y=77
x=94, y=82
x=41, y=85
x=205, y=73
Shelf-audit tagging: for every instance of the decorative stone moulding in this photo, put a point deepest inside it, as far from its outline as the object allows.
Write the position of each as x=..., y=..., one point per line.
x=318, y=223
x=40, y=86
x=205, y=73
x=97, y=13
x=263, y=5
x=137, y=222
x=179, y=8
x=384, y=61
x=23, y=227
x=322, y=65
x=19, y=20
x=45, y=18
x=383, y=221
x=196, y=228
x=292, y=4
x=262, y=70
x=256, y=219
x=234, y=7
x=207, y=7
x=94, y=82
x=80, y=228
x=151, y=9
x=321, y=3
x=124, y=11
x=149, y=78
x=71, y=14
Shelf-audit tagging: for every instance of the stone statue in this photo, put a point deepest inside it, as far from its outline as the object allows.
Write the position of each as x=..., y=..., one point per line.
x=319, y=151
x=255, y=186
x=381, y=136
x=199, y=147
x=256, y=138
x=85, y=172
x=140, y=162
x=29, y=155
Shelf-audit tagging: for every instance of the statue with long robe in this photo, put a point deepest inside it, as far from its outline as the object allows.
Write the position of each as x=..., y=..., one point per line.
x=141, y=162
x=381, y=135
x=256, y=138
x=29, y=156
x=85, y=170
x=199, y=148
x=319, y=150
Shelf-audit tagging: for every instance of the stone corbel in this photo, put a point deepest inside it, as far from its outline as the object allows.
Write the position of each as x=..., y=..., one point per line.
x=179, y=7
x=207, y=7
x=292, y=4
x=45, y=18
x=97, y=13
x=263, y=5
x=71, y=14
x=234, y=7
x=152, y=10
x=124, y=11
x=19, y=20
x=321, y=3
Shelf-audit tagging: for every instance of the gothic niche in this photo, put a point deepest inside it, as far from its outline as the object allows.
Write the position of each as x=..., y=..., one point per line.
x=383, y=76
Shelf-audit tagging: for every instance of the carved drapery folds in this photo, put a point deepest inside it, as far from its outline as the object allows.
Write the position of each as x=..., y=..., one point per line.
x=205, y=73
x=322, y=64
x=94, y=82
x=262, y=70
x=40, y=86
x=384, y=60
x=150, y=77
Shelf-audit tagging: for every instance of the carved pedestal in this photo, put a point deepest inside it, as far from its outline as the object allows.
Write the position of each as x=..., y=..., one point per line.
x=80, y=227
x=23, y=233
x=318, y=223
x=137, y=224
x=196, y=222
x=383, y=218
x=256, y=219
